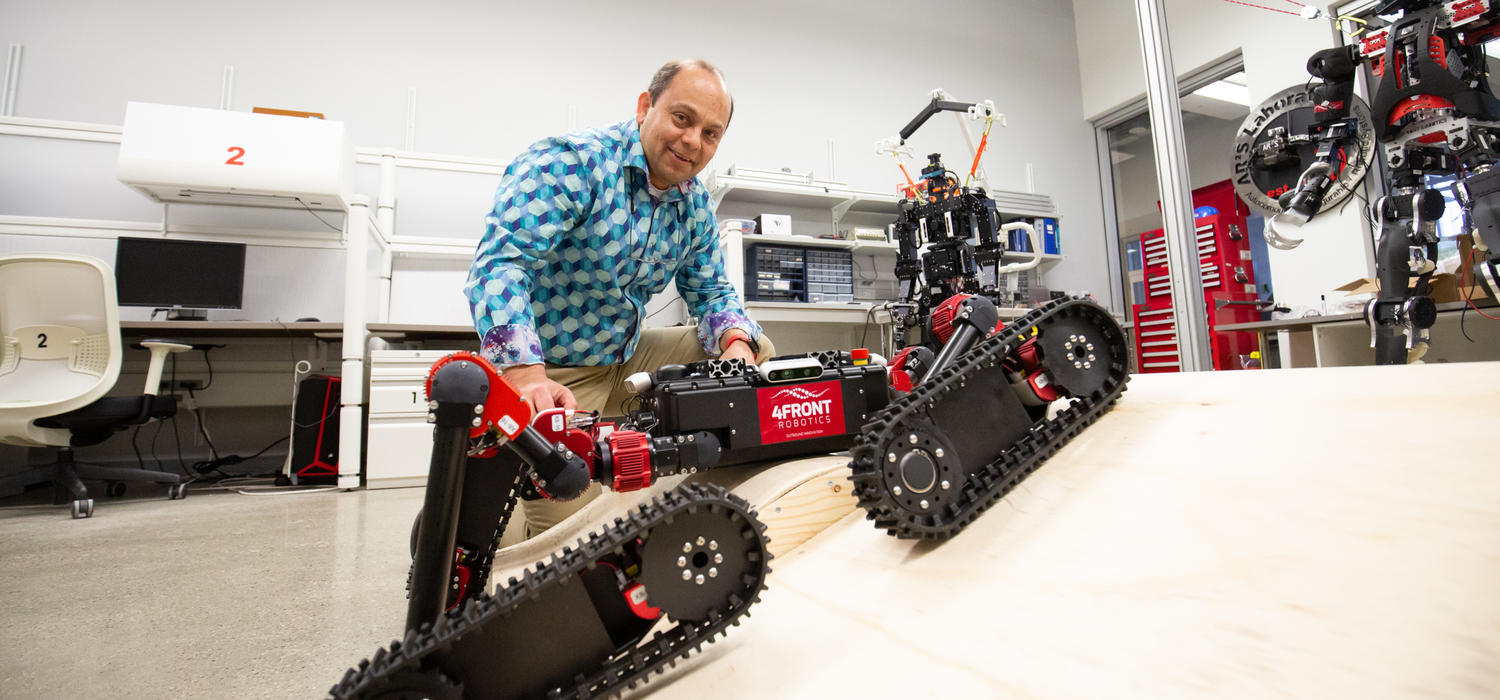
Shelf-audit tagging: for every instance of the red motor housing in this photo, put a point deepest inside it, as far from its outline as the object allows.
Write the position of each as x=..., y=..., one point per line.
x=631, y=453
x=942, y=317
x=896, y=374
x=556, y=426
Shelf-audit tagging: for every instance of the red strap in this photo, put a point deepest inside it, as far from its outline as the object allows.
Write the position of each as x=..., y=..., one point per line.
x=732, y=335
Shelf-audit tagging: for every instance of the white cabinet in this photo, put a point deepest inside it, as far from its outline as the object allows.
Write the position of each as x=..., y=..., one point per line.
x=399, y=442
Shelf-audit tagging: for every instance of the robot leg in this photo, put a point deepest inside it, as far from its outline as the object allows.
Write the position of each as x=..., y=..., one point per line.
x=486, y=501
x=1481, y=195
x=1399, y=318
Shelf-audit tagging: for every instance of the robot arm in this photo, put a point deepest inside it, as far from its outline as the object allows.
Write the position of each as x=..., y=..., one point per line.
x=943, y=102
x=1332, y=131
x=496, y=416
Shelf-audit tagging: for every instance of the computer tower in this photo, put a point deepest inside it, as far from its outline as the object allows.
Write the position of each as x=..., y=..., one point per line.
x=315, y=430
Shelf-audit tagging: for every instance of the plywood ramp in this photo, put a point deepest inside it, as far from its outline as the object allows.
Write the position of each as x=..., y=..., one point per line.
x=796, y=499
x=1328, y=533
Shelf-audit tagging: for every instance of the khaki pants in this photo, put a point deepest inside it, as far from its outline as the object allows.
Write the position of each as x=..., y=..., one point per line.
x=600, y=389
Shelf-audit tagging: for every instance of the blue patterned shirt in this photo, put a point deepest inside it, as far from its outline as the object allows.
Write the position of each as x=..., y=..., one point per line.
x=576, y=245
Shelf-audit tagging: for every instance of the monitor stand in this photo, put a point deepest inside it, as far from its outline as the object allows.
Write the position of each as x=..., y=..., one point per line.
x=187, y=314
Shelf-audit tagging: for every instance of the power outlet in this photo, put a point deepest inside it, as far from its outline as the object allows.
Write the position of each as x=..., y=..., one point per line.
x=185, y=385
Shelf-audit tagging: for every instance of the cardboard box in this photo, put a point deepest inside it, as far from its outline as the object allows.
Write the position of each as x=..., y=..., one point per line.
x=1443, y=288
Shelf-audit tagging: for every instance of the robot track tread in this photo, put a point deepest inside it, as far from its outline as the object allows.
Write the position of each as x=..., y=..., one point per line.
x=985, y=485
x=420, y=650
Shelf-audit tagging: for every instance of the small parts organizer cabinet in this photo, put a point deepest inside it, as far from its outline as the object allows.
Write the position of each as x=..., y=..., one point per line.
x=799, y=273
x=399, y=443
x=1227, y=273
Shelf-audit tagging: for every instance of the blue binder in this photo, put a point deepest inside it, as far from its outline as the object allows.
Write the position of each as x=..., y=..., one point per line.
x=1051, y=237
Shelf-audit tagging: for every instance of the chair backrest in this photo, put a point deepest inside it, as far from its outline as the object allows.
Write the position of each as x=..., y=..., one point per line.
x=60, y=343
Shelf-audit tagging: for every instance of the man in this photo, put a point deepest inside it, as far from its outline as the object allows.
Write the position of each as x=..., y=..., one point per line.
x=586, y=228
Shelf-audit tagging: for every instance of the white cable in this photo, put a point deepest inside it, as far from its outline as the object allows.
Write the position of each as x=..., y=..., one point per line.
x=258, y=486
x=299, y=370
x=283, y=490
x=1036, y=249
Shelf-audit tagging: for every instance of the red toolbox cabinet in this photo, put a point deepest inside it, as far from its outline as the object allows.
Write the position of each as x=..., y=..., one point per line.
x=1225, y=267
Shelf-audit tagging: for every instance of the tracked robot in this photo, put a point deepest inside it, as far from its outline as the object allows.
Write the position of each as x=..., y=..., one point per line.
x=936, y=436
x=1432, y=114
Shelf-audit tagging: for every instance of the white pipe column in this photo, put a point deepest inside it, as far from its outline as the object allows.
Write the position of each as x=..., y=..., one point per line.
x=1189, y=316
x=12, y=81
x=385, y=216
x=352, y=377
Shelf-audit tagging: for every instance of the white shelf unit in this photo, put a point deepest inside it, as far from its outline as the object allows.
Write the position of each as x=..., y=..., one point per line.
x=796, y=312
x=797, y=327
x=843, y=203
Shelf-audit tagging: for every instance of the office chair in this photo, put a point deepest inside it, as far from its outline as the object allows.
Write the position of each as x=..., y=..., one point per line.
x=60, y=353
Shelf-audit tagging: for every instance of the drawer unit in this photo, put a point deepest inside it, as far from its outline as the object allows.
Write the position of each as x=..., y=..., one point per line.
x=1155, y=339
x=830, y=275
x=399, y=450
x=399, y=438
x=797, y=273
x=775, y=273
x=1223, y=259
x=1226, y=271
x=1156, y=333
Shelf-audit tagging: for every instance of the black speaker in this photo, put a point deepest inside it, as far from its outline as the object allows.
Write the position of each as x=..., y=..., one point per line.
x=315, y=430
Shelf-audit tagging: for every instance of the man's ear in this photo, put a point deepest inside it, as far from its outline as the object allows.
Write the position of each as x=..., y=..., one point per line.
x=642, y=104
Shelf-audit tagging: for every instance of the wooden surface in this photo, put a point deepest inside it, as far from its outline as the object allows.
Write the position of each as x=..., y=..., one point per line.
x=1329, y=533
x=230, y=329
x=796, y=499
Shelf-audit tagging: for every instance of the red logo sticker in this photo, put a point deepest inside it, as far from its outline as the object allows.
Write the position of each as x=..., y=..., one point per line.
x=800, y=412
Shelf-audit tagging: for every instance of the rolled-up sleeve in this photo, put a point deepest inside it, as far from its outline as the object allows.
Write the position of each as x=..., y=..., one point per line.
x=541, y=197
x=705, y=288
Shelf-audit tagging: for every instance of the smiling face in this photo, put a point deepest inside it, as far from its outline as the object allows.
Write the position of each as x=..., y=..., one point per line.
x=681, y=130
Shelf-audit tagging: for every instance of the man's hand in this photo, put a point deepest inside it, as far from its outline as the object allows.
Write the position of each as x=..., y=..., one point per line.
x=738, y=350
x=543, y=393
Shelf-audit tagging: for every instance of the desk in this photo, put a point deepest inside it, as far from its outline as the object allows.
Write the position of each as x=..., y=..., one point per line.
x=252, y=362
x=1146, y=560
x=229, y=329
x=423, y=331
x=1342, y=340
x=253, y=368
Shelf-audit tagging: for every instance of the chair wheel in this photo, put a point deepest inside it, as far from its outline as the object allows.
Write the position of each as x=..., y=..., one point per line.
x=115, y=489
x=83, y=508
x=176, y=491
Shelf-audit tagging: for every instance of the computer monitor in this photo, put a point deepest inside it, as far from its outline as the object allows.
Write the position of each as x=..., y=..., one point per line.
x=184, y=277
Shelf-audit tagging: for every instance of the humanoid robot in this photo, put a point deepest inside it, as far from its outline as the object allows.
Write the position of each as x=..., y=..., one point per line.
x=1433, y=114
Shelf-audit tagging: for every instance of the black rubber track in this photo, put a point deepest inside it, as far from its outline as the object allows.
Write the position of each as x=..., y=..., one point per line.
x=420, y=650
x=987, y=484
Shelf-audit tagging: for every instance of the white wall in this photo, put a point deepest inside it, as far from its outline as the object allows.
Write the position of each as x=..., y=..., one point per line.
x=491, y=77
x=1275, y=47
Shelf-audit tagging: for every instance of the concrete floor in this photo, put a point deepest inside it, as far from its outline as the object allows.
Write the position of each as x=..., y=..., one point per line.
x=220, y=595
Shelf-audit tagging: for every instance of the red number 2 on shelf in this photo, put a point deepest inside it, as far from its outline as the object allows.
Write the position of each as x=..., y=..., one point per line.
x=237, y=154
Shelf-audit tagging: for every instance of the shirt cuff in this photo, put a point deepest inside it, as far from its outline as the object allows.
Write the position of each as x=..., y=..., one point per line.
x=505, y=346
x=713, y=325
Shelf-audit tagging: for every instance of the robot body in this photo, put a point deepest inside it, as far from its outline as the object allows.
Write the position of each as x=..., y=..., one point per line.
x=1433, y=114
